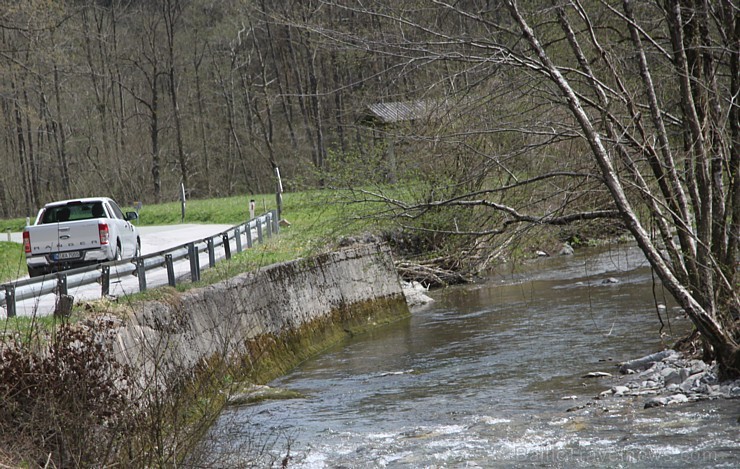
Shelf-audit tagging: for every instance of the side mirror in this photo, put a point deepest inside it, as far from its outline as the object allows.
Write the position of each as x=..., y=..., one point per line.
x=131, y=216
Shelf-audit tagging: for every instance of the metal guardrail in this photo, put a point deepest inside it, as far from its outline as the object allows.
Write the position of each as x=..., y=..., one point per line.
x=265, y=225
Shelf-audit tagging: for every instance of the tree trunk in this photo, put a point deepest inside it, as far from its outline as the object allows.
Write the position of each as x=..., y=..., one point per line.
x=728, y=351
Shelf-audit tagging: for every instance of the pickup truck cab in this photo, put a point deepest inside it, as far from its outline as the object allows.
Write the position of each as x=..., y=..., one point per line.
x=75, y=233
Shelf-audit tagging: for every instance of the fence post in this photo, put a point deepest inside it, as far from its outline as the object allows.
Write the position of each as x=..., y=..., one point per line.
x=238, y=238
x=259, y=230
x=211, y=253
x=105, y=280
x=227, y=246
x=194, y=262
x=10, y=299
x=171, y=281
x=141, y=273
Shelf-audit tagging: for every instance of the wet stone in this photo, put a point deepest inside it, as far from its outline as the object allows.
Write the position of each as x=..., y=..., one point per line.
x=677, y=399
x=620, y=390
x=656, y=402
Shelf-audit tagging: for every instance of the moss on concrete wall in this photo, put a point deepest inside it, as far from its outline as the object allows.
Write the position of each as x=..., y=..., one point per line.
x=268, y=320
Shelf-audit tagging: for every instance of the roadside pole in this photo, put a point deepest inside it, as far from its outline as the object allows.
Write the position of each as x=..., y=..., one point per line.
x=279, y=193
x=182, y=202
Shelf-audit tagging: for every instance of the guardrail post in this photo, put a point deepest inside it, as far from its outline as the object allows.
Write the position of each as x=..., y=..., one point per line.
x=259, y=230
x=238, y=238
x=61, y=285
x=171, y=281
x=141, y=273
x=194, y=262
x=275, y=222
x=10, y=300
x=268, y=224
x=249, y=234
x=227, y=246
x=105, y=280
x=211, y=253
x=63, y=306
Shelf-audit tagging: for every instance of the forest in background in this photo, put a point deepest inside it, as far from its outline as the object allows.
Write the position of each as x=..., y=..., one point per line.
x=131, y=98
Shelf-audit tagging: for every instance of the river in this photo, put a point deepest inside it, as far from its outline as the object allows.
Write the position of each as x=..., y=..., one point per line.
x=491, y=375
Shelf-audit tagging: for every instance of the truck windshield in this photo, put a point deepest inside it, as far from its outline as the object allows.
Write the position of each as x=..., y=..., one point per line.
x=73, y=211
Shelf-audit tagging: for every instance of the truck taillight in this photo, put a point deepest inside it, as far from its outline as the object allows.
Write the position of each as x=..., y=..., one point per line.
x=27, y=242
x=104, y=233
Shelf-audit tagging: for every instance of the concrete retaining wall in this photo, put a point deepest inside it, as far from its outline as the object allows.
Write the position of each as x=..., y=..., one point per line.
x=281, y=305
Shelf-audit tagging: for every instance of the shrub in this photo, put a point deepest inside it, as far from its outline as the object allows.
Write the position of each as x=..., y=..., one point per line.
x=64, y=402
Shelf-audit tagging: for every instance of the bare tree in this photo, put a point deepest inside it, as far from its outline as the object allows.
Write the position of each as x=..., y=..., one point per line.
x=588, y=111
x=172, y=17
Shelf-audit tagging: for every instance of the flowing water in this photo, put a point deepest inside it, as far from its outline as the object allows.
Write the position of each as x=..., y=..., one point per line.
x=491, y=375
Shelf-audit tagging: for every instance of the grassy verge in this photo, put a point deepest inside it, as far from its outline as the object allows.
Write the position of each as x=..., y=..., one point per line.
x=12, y=261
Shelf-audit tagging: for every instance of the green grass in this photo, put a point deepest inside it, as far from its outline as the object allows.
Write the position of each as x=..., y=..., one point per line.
x=12, y=261
x=317, y=220
x=12, y=224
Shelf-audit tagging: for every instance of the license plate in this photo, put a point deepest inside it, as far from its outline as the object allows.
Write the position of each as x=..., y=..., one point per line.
x=60, y=256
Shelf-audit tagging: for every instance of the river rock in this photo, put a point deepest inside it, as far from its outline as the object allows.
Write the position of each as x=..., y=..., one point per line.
x=620, y=390
x=672, y=379
x=677, y=399
x=646, y=362
x=610, y=280
x=415, y=294
x=253, y=393
x=656, y=402
x=567, y=250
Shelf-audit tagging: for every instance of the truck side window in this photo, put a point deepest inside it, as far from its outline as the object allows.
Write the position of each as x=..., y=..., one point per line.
x=116, y=211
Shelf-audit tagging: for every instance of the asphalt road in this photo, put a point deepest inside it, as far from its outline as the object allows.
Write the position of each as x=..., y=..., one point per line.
x=153, y=239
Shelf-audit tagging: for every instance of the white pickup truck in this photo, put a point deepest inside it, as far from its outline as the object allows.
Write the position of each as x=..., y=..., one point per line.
x=79, y=232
